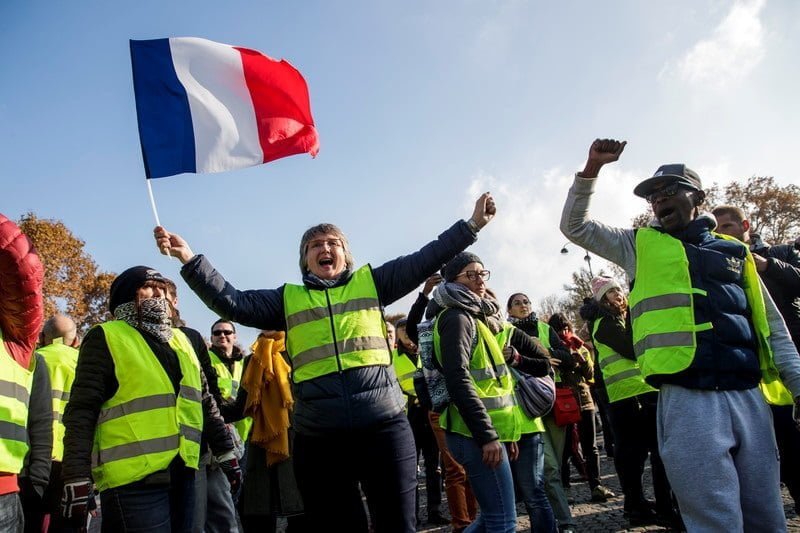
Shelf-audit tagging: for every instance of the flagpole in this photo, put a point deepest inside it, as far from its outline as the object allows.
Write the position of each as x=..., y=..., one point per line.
x=153, y=205
x=152, y=201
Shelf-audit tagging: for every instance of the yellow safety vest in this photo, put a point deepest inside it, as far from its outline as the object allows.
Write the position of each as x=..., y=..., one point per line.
x=492, y=382
x=61, y=362
x=145, y=424
x=662, y=312
x=405, y=369
x=336, y=329
x=527, y=424
x=15, y=393
x=622, y=376
x=229, y=383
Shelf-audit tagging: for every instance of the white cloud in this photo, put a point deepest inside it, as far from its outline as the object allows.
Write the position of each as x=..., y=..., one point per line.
x=731, y=53
x=522, y=245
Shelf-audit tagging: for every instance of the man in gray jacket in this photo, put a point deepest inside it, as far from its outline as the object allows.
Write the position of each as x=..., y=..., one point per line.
x=707, y=334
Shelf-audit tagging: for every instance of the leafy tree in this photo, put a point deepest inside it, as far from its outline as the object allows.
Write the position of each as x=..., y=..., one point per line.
x=773, y=210
x=72, y=282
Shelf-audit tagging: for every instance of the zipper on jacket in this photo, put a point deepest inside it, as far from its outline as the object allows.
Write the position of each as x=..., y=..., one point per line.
x=333, y=331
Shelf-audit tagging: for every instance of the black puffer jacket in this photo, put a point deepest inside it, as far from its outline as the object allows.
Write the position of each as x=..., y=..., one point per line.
x=613, y=331
x=782, y=279
x=96, y=381
x=355, y=398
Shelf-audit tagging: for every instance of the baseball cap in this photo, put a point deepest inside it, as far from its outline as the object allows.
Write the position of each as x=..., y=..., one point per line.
x=676, y=173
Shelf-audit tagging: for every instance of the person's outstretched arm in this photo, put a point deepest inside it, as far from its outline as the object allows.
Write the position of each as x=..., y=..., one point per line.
x=417, y=312
x=614, y=244
x=396, y=278
x=262, y=309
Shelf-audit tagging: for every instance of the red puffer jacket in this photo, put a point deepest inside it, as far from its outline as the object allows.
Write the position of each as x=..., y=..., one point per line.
x=21, y=307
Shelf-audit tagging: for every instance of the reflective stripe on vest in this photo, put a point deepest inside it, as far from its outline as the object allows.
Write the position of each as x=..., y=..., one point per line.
x=145, y=424
x=61, y=361
x=228, y=384
x=495, y=390
x=662, y=311
x=543, y=332
x=527, y=424
x=15, y=392
x=405, y=369
x=336, y=329
x=622, y=376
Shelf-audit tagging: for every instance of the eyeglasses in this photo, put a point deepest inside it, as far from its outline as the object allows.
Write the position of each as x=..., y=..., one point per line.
x=319, y=244
x=521, y=302
x=666, y=192
x=220, y=332
x=472, y=275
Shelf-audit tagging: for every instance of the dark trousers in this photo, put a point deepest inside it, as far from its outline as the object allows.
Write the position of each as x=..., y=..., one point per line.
x=634, y=423
x=587, y=432
x=601, y=403
x=788, y=437
x=381, y=458
x=426, y=446
x=162, y=502
x=36, y=508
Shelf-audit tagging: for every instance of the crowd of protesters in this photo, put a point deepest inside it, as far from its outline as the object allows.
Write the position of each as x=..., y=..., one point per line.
x=142, y=425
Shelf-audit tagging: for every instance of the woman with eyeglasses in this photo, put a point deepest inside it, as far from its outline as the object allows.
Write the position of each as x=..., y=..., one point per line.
x=483, y=421
x=522, y=316
x=350, y=426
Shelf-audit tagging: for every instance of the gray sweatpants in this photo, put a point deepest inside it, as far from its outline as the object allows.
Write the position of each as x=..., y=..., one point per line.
x=720, y=455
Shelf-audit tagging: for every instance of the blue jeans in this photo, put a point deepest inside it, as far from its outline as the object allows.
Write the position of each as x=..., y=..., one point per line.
x=153, y=507
x=528, y=472
x=493, y=487
x=214, y=508
x=11, y=518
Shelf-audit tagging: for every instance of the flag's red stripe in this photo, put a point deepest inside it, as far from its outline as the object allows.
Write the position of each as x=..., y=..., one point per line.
x=282, y=107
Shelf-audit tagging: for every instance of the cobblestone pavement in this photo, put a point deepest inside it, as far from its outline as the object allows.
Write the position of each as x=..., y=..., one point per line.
x=602, y=517
x=590, y=517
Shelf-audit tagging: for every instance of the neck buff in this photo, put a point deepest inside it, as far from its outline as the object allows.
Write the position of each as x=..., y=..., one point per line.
x=151, y=315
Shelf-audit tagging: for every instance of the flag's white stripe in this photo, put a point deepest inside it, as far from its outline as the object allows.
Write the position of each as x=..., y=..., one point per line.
x=223, y=118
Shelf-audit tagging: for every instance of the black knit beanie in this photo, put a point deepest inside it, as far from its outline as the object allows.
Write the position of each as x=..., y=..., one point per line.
x=124, y=287
x=456, y=264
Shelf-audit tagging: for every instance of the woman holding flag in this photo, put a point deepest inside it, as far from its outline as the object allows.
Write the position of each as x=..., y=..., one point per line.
x=350, y=426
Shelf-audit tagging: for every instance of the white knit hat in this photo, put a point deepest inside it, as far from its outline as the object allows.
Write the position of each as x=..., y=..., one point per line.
x=601, y=285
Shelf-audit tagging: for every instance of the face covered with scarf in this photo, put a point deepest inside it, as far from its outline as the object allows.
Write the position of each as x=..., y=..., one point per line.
x=138, y=297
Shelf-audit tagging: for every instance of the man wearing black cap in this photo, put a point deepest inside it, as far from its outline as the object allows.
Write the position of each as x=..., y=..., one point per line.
x=707, y=334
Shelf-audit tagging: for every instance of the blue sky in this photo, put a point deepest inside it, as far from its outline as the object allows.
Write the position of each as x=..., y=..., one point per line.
x=420, y=106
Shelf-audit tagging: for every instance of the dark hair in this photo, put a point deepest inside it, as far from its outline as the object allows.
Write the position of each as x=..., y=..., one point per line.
x=223, y=321
x=510, y=298
x=559, y=322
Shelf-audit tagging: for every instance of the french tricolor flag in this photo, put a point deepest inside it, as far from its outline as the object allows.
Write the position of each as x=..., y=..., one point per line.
x=209, y=107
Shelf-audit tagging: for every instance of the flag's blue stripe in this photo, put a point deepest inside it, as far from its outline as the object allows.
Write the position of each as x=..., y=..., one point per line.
x=165, y=119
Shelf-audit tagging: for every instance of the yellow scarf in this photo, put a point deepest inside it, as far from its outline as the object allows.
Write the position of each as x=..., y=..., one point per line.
x=269, y=397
